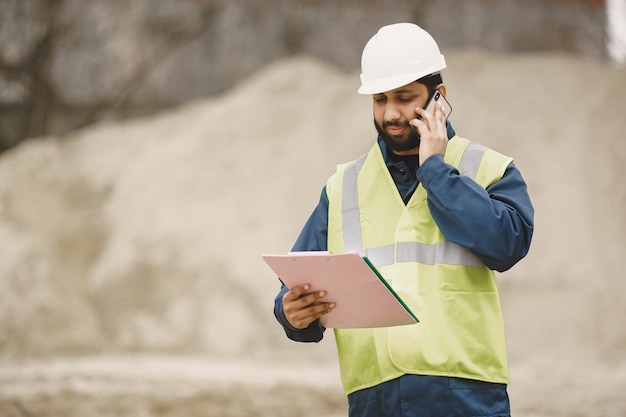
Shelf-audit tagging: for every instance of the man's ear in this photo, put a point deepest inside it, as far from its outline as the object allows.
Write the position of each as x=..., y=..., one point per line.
x=442, y=87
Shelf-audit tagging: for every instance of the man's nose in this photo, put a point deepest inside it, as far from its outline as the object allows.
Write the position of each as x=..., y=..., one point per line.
x=392, y=112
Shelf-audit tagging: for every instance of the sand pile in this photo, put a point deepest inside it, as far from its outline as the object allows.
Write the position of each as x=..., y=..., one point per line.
x=145, y=236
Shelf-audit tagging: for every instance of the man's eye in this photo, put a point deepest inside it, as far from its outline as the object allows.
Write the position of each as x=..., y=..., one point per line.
x=406, y=99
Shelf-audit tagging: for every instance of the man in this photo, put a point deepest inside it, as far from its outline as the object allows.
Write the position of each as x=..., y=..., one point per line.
x=436, y=213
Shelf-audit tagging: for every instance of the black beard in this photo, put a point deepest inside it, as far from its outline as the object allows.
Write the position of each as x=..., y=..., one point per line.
x=396, y=143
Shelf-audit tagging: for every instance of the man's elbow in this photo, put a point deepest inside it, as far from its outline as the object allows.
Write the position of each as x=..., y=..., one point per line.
x=507, y=258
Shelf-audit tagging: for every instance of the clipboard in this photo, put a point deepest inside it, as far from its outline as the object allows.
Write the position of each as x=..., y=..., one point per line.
x=363, y=297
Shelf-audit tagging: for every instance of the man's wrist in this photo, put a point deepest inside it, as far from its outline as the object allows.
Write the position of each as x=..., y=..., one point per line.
x=429, y=169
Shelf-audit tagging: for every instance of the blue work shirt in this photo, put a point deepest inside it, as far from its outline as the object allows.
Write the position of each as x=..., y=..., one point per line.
x=494, y=223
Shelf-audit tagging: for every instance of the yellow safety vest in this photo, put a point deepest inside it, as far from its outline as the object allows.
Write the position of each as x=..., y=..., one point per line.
x=450, y=290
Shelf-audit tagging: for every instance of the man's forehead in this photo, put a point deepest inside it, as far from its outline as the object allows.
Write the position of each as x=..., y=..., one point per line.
x=409, y=88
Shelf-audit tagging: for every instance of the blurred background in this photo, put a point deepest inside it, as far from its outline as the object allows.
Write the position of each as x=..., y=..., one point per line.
x=152, y=150
x=69, y=63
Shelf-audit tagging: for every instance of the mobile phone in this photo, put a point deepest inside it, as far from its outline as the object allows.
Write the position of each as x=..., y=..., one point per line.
x=435, y=98
x=438, y=98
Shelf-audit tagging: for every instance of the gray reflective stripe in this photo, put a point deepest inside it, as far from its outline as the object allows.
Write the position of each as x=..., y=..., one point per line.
x=470, y=160
x=351, y=220
x=380, y=256
x=438, y=253
x=447, y=253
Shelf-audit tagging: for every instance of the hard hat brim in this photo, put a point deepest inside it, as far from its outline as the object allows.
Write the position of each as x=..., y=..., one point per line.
x=387, y=84
x=381, y=85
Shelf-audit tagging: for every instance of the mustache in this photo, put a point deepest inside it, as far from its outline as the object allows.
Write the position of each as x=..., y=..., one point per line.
x=395, y=124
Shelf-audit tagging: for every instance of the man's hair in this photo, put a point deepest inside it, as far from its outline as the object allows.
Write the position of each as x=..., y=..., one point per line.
x=431, y=81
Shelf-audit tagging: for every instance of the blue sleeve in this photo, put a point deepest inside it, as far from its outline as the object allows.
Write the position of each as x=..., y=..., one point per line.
x=313, y=237
x=495, y=223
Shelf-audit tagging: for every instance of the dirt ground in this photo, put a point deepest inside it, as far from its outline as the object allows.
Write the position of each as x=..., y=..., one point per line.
x=175, y=386
x=166, y=386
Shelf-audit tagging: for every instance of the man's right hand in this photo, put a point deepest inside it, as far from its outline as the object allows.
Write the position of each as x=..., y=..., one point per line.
x=302, y=307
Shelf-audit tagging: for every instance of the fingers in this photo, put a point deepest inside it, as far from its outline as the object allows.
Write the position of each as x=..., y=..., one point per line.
x=439, y=126
x=299, y=297
x=307, y=316
x=433, y=132
x=295, y=292
x=431, y=124
x=302, y=308
x=432, y=120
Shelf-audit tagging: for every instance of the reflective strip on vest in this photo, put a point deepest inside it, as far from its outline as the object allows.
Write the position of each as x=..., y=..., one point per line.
x=470, y=161
x=430, y=254
x=353, y=240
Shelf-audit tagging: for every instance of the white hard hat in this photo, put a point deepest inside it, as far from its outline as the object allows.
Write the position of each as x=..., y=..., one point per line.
x=398, y=55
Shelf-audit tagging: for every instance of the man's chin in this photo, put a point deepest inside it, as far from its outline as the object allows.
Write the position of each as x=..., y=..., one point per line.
x=400, y=144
